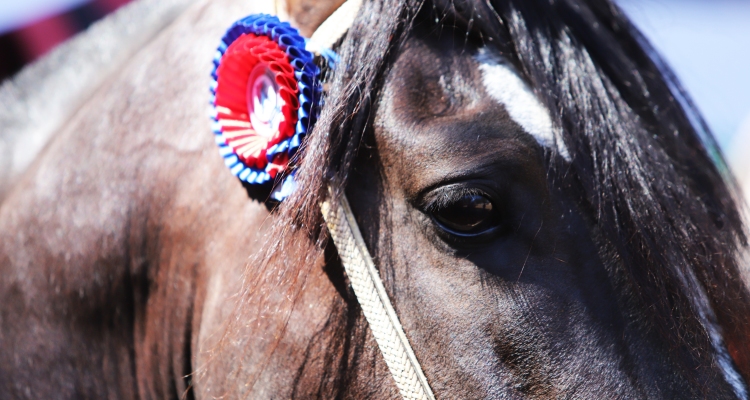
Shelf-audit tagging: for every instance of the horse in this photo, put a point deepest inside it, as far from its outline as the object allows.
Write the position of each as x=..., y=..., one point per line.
x=549, y=214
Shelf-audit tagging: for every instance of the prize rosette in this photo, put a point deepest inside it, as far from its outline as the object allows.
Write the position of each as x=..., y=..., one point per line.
x=265, y=97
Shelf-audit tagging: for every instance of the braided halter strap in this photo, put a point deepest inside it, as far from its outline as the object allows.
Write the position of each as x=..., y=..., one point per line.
x=359, y=267
x=372, y=297
x=356, y=259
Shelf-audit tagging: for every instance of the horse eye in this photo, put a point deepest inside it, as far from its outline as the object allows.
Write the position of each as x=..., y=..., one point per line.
x=470, y=215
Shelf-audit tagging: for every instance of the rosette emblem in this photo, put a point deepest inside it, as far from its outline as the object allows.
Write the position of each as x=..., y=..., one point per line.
x=265, y=97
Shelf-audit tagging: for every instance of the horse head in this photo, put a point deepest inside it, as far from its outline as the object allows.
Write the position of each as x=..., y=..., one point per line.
x=545, y=209
x=507, y=165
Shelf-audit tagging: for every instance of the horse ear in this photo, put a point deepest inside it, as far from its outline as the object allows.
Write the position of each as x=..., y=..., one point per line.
x=307, y=15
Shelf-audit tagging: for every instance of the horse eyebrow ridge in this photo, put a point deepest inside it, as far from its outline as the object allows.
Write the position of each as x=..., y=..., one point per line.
x=504, y=85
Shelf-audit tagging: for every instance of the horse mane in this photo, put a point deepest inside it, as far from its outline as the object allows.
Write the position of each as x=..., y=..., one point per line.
x=648, y=170
x=40, y=98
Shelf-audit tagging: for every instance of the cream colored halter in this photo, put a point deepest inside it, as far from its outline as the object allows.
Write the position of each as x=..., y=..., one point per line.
x=372, y=297
x=359, y=267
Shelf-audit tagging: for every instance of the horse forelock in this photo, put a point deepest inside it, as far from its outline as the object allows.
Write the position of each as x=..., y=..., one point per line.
x=36, y=102
x=668, y=223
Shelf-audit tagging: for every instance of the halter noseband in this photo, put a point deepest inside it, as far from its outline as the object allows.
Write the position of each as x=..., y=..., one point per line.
x=265, y=98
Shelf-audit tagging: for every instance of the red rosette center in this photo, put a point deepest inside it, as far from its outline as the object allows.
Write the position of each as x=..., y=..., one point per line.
x=256, y=98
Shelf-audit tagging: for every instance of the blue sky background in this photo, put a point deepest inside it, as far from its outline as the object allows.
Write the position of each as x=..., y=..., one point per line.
x=707, y=43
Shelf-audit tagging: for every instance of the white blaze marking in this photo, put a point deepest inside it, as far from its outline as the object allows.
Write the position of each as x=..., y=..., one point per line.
x=505, y=86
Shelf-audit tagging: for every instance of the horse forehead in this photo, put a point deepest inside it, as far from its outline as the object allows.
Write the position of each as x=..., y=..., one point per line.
x=483, y=76
x=505, y=85
x=495, y=118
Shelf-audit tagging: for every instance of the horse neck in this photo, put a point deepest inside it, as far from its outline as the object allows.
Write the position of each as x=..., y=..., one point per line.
x=43, y=96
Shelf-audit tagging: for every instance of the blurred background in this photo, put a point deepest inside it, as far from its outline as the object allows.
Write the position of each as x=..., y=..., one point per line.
x=707, y=43
x=30, y=28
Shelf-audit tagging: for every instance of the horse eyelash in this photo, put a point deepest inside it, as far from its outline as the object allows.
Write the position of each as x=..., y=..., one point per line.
x=445, y=196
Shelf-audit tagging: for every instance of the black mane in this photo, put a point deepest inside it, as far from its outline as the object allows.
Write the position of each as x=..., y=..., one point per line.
x=648, y=170
x=648, y=167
